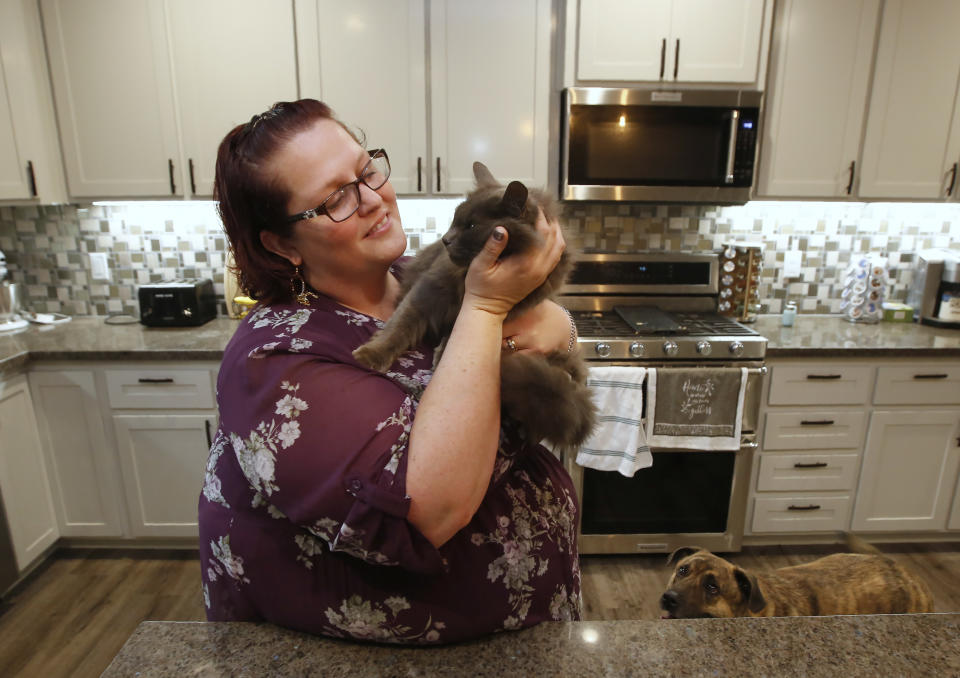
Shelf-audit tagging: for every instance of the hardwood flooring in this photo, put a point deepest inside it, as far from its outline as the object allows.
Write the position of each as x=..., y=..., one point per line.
x=72, y=616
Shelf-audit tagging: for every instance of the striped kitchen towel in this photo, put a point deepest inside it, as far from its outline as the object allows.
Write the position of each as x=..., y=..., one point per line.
x=618, y=443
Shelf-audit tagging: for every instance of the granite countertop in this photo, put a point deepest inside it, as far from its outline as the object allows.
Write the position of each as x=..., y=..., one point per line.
x=874, y=645
x=90, y=338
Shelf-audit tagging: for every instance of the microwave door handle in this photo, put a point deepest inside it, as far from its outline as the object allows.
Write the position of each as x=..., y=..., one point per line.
x=732, y=148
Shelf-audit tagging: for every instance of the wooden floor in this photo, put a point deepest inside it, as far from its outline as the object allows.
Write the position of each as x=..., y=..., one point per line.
x=74, y=613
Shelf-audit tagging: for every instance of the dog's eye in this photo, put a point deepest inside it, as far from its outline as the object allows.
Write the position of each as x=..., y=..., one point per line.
x=469, y=226
x=682, y=571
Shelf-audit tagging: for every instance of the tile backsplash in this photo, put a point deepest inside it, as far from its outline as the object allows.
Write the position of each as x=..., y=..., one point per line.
x=47, y=247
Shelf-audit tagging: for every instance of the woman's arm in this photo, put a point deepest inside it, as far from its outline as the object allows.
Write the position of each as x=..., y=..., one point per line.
x=453, y=442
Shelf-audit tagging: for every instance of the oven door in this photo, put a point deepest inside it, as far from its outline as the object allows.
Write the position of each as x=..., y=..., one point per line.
x=658, y=145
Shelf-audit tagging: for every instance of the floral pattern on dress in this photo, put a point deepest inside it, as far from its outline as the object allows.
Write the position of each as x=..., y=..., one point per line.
x=258, y=453
x=355, y=318
x=211, y=482
x=544, y=516
x=403, y=418
x=224, y=562
x=366, y=620
x=288, y=321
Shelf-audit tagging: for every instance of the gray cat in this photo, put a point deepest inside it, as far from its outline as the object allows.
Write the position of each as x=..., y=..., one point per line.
x=545, y=393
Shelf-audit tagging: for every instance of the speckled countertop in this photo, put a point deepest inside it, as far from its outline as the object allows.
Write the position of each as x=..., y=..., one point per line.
x=875, y=645
x=90, y=338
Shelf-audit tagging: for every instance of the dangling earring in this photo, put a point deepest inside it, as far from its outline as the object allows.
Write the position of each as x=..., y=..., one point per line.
x=304, y=295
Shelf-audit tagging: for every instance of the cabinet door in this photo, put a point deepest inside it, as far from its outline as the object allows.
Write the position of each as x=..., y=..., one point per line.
x=231, y=60
x=714, y=41
x=916, y=446
x=623, y=39
x=163, y=459
x=83, y=468
x=490, y=71
x=13, y=176
x=912, y=140
x=370, y=67
x=954, y=522
x=23, y=476
x=820, y=73
x=111, y=81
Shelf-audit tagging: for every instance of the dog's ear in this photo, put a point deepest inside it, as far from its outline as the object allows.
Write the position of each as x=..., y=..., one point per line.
x=483, y=175
x=681, y=553
x=514, y=200
x=747, y=583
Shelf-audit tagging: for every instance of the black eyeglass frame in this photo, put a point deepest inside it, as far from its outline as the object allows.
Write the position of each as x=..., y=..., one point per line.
x=321, y=209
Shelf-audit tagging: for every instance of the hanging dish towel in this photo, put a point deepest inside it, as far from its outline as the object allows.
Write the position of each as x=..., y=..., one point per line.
x=618, y=443
x=697, y=409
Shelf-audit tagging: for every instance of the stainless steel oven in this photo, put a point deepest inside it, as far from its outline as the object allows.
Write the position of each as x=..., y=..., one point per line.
x=658, y=310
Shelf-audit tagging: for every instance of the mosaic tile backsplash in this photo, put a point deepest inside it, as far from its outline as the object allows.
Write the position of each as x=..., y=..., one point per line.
x=807, y=246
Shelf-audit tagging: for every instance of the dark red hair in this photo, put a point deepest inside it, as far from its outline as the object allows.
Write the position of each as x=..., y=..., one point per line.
x=250, y=200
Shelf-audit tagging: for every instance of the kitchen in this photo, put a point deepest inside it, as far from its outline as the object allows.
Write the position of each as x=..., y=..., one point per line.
x=847, y=165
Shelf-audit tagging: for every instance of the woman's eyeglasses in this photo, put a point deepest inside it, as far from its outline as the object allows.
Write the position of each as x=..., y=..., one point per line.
x=343, y=202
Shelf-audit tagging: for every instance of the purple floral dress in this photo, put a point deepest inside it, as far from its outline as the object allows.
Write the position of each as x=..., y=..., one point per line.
x=303, y=514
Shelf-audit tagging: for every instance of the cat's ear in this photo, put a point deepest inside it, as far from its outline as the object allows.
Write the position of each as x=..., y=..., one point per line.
x=514, y=200
x=483, y=176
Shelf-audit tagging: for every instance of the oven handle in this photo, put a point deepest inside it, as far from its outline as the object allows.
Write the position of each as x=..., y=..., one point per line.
x=732, y=147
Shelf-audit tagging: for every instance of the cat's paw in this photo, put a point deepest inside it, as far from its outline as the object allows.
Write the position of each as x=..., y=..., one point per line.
x=372, y=358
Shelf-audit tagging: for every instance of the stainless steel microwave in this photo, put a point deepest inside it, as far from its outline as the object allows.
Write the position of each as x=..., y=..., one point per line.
x=659, y=145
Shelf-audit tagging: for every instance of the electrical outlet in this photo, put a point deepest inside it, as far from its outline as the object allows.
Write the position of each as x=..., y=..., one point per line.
x=99, y=270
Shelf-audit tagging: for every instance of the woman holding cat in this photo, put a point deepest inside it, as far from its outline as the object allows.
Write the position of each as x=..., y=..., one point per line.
x=393, y=507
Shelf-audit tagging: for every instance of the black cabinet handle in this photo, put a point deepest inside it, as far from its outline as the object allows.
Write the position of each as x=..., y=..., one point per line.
x=853, y=165
x=173, y=186
x=31, y=179
x=824, y=376
x=817, y=422
x=206, y=424
x=147, y=380
x=808, y=507
x=663, y=56
x=953, y=178
x=193, y=184
x=930, y=376
x=419, y=173
x=816, y=464
x=438, y=174
x=676, y=60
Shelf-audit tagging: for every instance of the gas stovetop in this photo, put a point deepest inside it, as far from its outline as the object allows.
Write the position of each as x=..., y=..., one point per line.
x=648, y=332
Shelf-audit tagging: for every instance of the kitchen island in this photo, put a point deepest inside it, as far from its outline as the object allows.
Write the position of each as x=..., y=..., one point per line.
x=874, y=645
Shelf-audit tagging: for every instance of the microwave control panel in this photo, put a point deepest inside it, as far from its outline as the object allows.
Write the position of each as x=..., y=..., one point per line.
x=745, y=151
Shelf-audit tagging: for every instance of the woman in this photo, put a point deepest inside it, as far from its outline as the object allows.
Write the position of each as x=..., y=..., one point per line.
x=341, y=501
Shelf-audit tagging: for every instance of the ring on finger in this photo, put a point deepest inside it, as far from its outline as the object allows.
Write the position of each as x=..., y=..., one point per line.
x=511, y=344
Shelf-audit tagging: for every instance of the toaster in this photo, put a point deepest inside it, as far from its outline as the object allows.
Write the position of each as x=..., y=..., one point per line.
x=177, y=303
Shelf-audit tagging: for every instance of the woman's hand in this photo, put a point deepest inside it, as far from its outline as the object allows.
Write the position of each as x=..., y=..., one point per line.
x=545, y=328
x=496, y=285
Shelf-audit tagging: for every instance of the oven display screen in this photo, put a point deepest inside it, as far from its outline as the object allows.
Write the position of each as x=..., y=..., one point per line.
x=641, y=273
x=681, y=492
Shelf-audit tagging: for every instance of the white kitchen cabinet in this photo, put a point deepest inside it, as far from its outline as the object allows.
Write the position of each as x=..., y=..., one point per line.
x=23, y=475
x=84, y=476
x=488, y=83
x=909, y=471
x=163, y=457
x=953, y=523
x=30, y=161
x=669, y=40
x=820, y=67
x=912, y=142
x=145, y=90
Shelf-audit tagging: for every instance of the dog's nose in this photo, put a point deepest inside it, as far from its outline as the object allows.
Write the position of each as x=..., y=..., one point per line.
x=446, y=240
x=669, y=600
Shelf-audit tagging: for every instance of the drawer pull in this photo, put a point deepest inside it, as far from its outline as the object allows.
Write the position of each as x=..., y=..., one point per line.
x=817, y=422
x=824, y=376
x=147, y=380
x=815, y=464
x=930, y=376
x=808, y=507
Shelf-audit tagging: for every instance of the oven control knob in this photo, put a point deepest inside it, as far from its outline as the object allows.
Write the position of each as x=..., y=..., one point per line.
x=704, y=347
x=736, y=348
x=603, y=349
x=637, y=349
x=670, y=347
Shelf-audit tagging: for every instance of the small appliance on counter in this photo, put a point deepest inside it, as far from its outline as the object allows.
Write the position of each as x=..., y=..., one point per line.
x=9, y=301
x=935, y=293
x=186, y=302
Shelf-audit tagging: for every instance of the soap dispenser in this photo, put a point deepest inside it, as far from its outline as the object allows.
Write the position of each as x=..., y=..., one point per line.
x=789, y=314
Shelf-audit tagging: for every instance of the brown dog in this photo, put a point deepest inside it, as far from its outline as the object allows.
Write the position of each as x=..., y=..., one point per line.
x=705, y=585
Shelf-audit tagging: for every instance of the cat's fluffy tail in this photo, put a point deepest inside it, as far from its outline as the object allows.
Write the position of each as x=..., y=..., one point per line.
x=549, y=396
